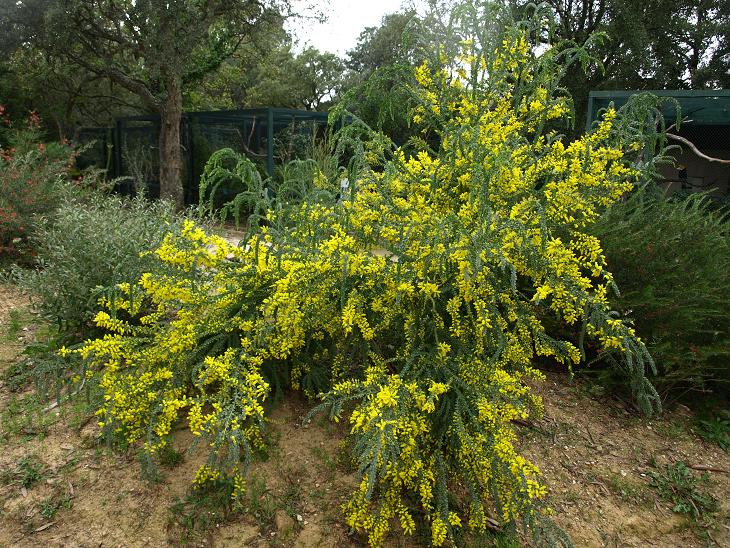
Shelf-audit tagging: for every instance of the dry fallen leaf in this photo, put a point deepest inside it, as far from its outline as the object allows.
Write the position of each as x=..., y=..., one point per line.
x=44, y=527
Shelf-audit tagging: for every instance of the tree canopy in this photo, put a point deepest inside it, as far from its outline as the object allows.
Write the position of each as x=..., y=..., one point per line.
x=654, y=44
x=153, y=50
x=85, y=62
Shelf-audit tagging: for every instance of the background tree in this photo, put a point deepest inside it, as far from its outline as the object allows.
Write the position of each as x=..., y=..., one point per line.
x=380, y=67
x=388, y=44
x=17, y=26
x=271, y=76
x=232, y=85
x=654, y=44
x=155, y=50
x=320, y=75
x=66, y=96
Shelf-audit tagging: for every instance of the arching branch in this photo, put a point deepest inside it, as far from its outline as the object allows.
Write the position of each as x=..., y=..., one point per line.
x=697, y=151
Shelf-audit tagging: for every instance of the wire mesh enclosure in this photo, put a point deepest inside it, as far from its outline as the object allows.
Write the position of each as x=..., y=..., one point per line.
x=267, y=136
x=698, y=107
x=701, y=161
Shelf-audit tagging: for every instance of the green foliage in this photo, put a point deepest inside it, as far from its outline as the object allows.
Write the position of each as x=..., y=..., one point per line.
x=83, y=254
x=628, y=489
x=381, y=69
x=65, y=95
x=87, y=250
x=383, y=101
x=24, y=415
x=33, y=178
x=662, y=44
x=148, y=468
x=261, y=503
x=166, y=48
x=269, y=72
x=167, y=457
x=413, y=306
x=41, y=367
x=170, y=458
x=389, y=44
x=320, y=75
x=201, y=510
x=233, y=187
x=53, y=503
x=14, y=325
x=716, y=429
x=379, y=86
x=678, y=485
x=27, y=472
x=669, y=257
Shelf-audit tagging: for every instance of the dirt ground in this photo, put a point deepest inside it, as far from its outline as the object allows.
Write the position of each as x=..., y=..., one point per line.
x=596, y=457
x=60, y=486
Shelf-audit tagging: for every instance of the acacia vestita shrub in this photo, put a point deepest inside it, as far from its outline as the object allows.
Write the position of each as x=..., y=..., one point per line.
x=412, y=306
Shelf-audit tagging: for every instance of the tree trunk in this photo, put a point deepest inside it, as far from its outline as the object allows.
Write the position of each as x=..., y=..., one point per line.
x=171, y=183
x=696, y=45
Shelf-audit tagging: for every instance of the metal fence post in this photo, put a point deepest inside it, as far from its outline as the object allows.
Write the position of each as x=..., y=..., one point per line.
x=191, y=161
x=117, y=148
x=270, y=141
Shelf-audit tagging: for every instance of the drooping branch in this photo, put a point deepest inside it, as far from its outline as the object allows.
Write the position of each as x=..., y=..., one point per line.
x=694, y=149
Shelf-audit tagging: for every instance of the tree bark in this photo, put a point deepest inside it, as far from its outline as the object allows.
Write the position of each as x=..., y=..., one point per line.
x=171, y=183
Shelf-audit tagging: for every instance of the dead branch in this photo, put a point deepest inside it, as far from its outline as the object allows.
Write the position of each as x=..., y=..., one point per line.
x=705, y=468
x=694, y=149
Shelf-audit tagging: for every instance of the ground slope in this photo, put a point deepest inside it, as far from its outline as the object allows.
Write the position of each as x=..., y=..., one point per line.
x=60, y=486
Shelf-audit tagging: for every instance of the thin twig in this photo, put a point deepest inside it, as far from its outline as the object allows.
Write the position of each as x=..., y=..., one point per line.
x=705, y=468
x=44, y=527
x=591, y=436
x=55, y=403
x=601, y=485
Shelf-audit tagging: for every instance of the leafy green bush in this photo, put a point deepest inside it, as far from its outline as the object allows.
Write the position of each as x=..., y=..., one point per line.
x=89, y=247
x=233, y=187
x=384, y=102
x=670, y=258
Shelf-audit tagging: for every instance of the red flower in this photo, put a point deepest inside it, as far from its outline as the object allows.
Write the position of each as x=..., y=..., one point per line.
x=34, y=121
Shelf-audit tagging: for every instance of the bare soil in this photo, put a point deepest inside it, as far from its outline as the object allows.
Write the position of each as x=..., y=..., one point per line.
x=596, y=456
x=594, y=453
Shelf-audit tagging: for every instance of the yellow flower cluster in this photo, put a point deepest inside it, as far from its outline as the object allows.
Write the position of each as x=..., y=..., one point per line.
x=419, y=298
